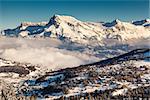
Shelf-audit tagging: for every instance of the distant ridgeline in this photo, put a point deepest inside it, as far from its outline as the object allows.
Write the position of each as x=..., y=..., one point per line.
x=69, y=28
x=138, y=54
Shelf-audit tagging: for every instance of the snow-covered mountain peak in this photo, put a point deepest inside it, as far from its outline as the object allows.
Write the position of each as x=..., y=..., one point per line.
x=24, y=25
x=57, y=19
x=116, y=21
x=113, y=23
x=33, y=24
x=65, y=18
x=144, y=22
x=147, y=20
x=67, y=27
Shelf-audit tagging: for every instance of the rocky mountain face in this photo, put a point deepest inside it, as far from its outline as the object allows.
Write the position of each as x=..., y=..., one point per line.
x=72, y=29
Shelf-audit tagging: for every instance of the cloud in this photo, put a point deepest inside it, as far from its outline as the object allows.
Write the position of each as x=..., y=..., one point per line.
x=46, y=52
x=41, y=52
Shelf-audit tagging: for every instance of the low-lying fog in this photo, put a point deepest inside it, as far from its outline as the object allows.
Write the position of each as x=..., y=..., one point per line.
x=51, y=52
x=43, y=52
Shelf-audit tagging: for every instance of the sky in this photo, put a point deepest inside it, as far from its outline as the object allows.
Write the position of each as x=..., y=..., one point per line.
x=13, y=12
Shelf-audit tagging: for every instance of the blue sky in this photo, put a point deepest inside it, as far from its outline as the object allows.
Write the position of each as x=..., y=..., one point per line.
x=13, y=12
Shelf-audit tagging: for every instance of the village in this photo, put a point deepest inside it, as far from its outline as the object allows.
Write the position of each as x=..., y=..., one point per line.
x=129, y=79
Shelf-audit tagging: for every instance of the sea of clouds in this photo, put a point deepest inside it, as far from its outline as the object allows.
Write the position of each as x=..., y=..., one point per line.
x=43, y=52
x=53, y=53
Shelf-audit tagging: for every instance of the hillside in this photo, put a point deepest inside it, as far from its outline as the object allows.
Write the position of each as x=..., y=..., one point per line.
x=126, y=76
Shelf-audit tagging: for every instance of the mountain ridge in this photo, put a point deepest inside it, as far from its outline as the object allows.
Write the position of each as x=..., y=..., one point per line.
x=68, y=27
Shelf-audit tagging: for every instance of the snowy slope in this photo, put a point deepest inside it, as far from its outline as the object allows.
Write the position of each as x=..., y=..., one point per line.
x=119, y=77
x=72, y=29
x=145, y=22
